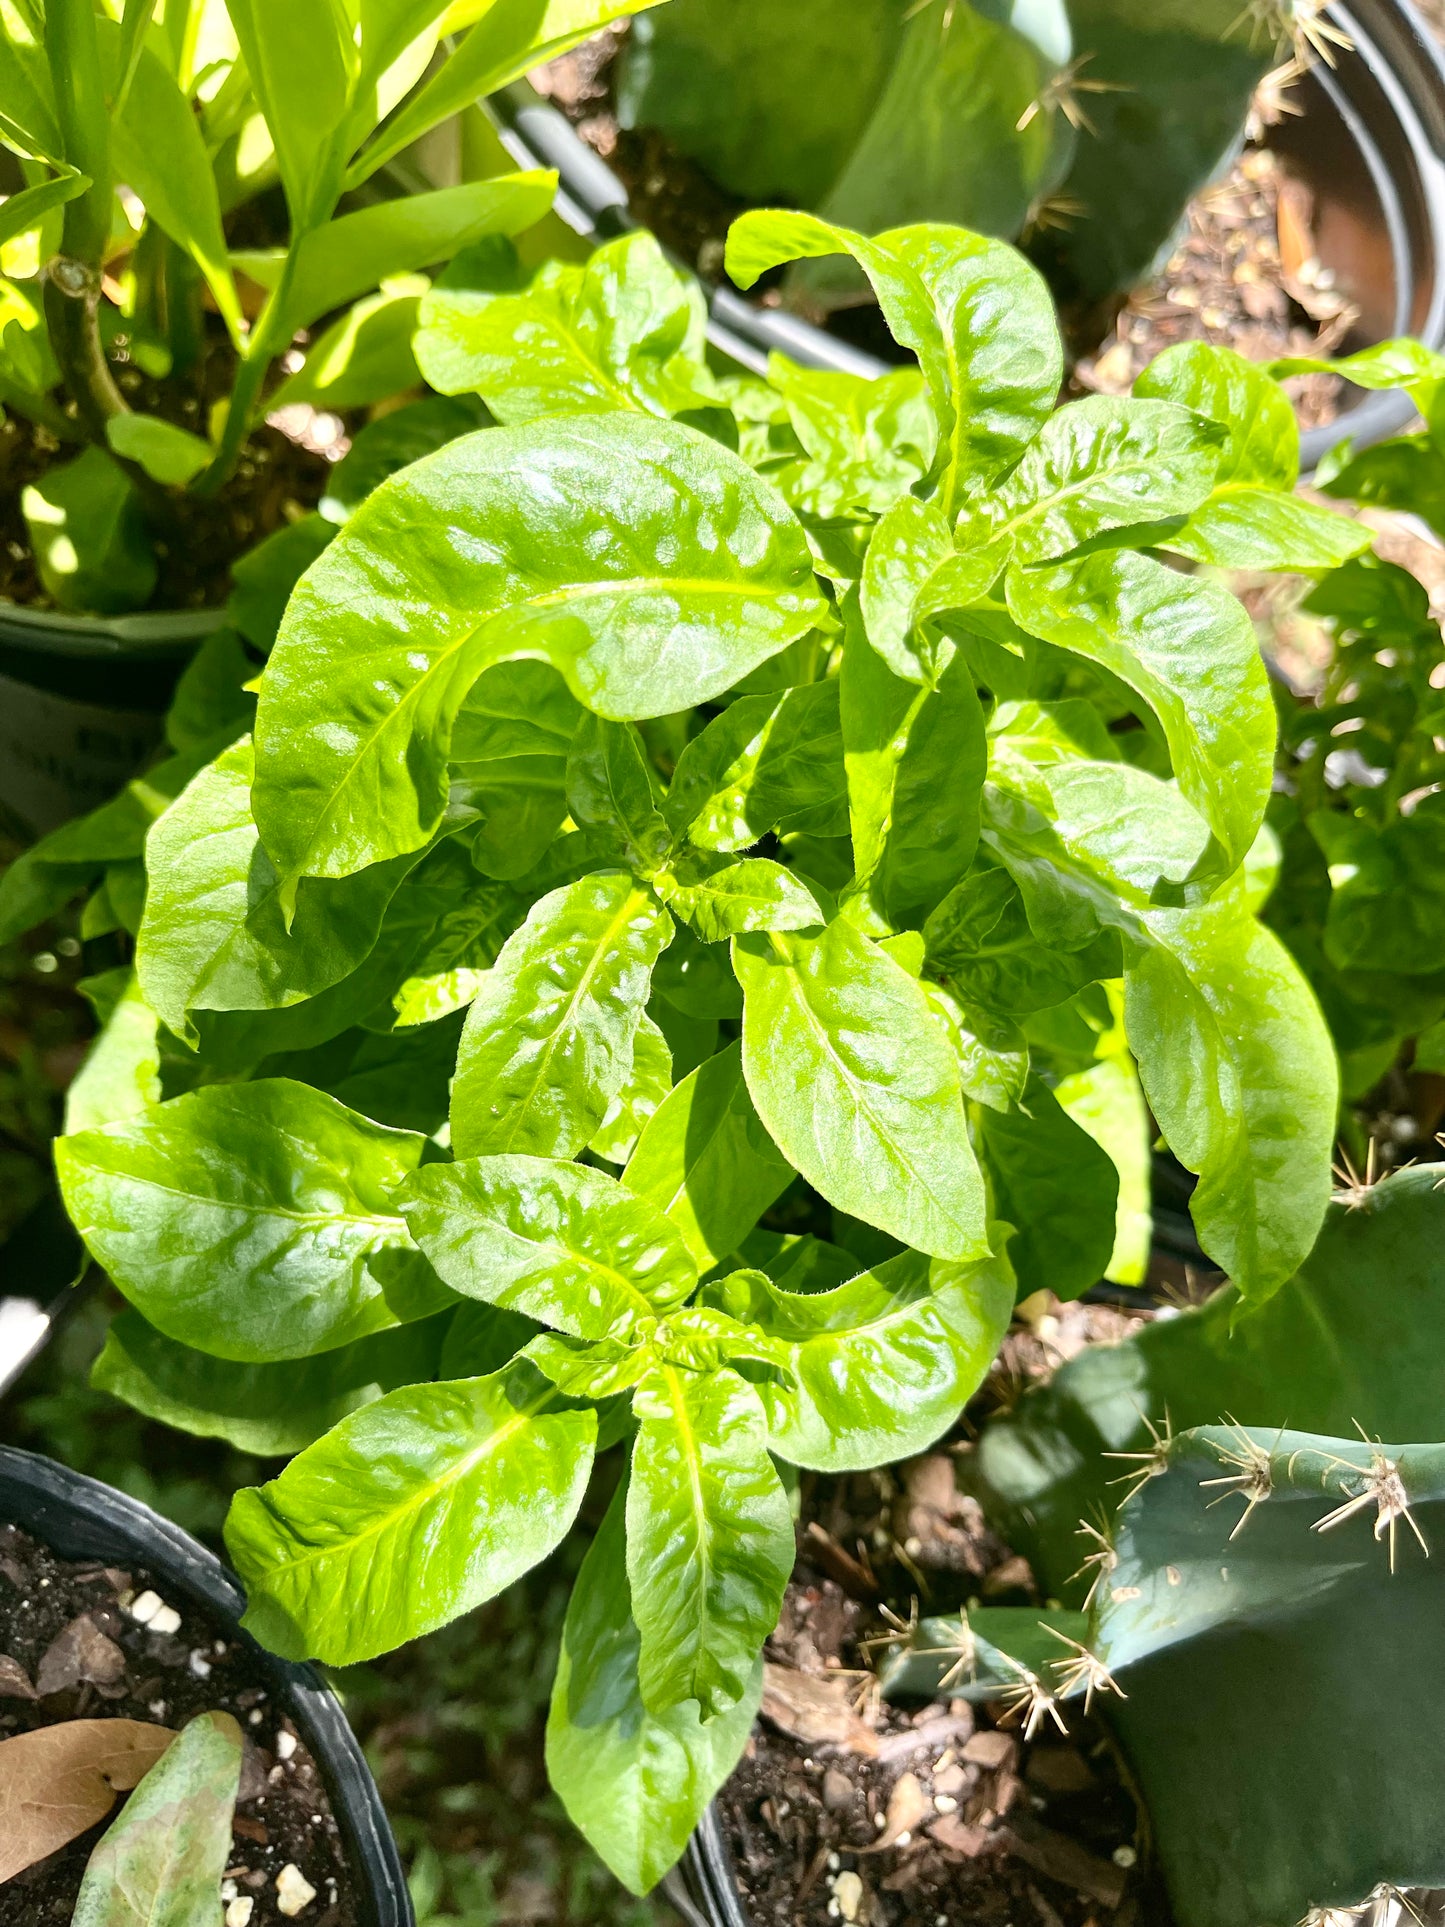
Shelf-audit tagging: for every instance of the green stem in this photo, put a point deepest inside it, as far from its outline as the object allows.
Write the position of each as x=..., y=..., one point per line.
x=73, y=278
x=268, y=339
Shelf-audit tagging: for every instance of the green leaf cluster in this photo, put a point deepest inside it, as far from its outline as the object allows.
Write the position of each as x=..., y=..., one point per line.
x=688, y=827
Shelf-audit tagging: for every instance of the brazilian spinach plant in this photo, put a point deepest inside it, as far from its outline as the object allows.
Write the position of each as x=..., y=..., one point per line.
x=194, y=114
x=715, y=864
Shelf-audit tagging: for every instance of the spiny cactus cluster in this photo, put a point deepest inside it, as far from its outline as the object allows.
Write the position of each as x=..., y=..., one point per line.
x=1254, y=1607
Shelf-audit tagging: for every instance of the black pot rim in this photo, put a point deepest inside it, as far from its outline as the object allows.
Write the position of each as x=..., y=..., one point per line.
x=1392, y=47
x=148, y=635
x=81, y=1517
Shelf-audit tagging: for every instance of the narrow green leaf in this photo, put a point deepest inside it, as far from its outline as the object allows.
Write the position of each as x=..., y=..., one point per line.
x=408, y=1513
x=1240, y=527
x=705, y=1160
x=709, y=1538
x=300, y=60
x=561, y=1242
x=635, y=1782
x=121, y=1072
x=1056, y=1187
x=25, y=209
x=160, y=1863
x=170, y=455
x=549, y=1039
x=253, y=1221
x=858, y=1087
x=697, y=573
x=881, y=1364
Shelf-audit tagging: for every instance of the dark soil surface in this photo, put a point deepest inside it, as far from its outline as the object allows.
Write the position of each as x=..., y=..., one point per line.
x=848, y=1808
x=1245, y=275
x=280, y=476
x=67, y=1629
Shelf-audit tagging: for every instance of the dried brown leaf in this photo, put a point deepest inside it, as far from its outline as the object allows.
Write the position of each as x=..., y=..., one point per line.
x=80, y=1652
x=1064, y=1860
x=59, y=1780
x=14, y=1680
x=815, y=1710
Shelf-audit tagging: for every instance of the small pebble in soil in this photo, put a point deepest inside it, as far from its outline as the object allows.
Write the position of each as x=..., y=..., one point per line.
x=1125, y=1857
x=239, y=1911
x=848, y=1892
x=285, y=1744
x=294, y=1892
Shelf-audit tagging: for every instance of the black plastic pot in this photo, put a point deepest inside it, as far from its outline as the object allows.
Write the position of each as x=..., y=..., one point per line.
x=81, y=1519
x=82, y=700
x=1370, y=146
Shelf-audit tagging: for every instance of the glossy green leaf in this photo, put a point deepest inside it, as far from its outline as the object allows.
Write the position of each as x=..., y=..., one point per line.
x=1056, y=1187
x=510, y=38
x=213, y=936
x=1100, y=464
x=867, y=441
x=754, y=894
x=350, y=255
x=992, y=1051
x=978, y=317
x=623, y=331
x=561, y=1242
x=300, y=62
x=635, y=1782
x=408, y=1513
x=907, y=546
x=1238, y=527
x=915, y=760
x=1400, y=363
x=89, y=536
x=364, y=357
x=509, y=763
x=609, y=788
x=1387, y=900
x=254, y=1221
x=1106, y=1100
x=170, y=455
x=549, y=1039
x=159, y=1864
x=646, y=1090
x=211, y=703
x=393, y=441
x=709, y=1538
x=160, y=153
x=263, y=578
x=694, y=978
x=121, y=1072
x=705, y=1160
x=857, y=1086
x=269, y=1410
x=1262, y=431
x=696, y=573
x=881, y=1364
x=767, y=763
x=1189, y=650
x=980, y=944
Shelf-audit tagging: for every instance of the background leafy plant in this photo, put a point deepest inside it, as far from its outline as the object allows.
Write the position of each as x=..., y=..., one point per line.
x=194, y=116
x=712, y=871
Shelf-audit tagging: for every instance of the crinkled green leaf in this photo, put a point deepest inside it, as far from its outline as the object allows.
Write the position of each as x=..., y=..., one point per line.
x=978, y=317
x=1189, y=650
x=905, y=549
x=408, y=1513
x=609, y=788
x=391, y=442
x=980, y=944
x=856, y=1084
x=753, y=894
x=561, y=1242
x=255, y=1221
x=1100, y=464
x=549, y=1039
x=767, y=763
x=882, y=1364
x=695, y=573
x=709, y=1538
x=647, y=1088
x=705, y=1160
x=213, y=936
x=623, y=331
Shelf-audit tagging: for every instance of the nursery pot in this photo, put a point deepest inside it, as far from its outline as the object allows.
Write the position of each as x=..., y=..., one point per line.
x=1369, y=146
x=82, y=700
x=82, y=1519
